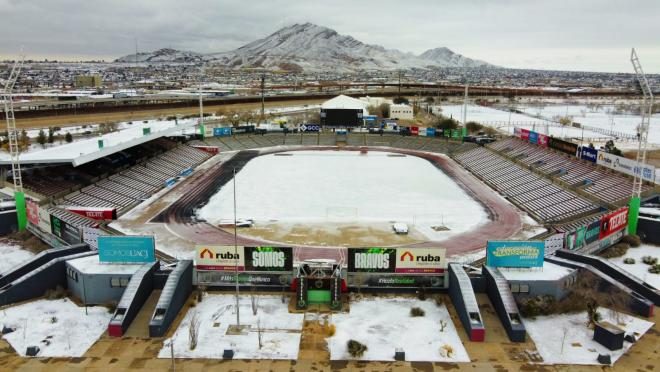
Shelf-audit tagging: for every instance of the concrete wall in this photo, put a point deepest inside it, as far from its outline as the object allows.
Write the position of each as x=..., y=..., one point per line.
x=8, y=222
x=97, y=289
x=555, y=288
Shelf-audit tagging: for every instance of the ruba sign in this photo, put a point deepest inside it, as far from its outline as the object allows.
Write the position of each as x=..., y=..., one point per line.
x=220, y=257
x=396, y=260
x=268, y=259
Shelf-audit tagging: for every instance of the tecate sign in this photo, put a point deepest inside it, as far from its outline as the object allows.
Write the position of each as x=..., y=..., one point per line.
x=613, y=222
x=128, y=249
x=268, y=258
x=371, y=260
x=220, y=257
x=420, y=260
x=515, y=253
x=627, y=166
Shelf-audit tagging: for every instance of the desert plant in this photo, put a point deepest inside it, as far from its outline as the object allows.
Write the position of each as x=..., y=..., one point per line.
x=655, y=269
x=416, y=311
x=447, y=350
x=617, y=250
x=57, y=293
x=535, y=306
x=632, y=240
x=193, y=330
x=356, y=349
x=629, y=261
x=330, y=330
x=650, y=260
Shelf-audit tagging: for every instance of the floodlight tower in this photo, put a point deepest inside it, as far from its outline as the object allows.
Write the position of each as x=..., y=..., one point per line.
x=14, y=151
x=647, y=111
x=202, y=129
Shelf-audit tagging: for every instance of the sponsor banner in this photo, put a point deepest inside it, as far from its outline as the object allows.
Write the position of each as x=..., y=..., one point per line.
x=95, y=213
x=554, y=243
x=268, y=258
x=524, y=134
x=170, y=182
x=370, y=117
x=420, y=260
x=456, y=133
x=44, y=220
x=128, y=249
x=430, y=132
x=310, y=128
x=422, y=132
x=220, y=258
x=575, y=239
x=592, y=232
x=613, y=222
x=32, y=210
x=90, y=236
x=186, y=172
x=542, y=140
x=371, y=260
x=587, y=153
x=221, y=132
x=225, y=278
x=612, y=239
x=515, y=253
x=627, y=166
x=517, y=132
x=414, y=131
x=563, y=146
x=210, y=149
x=533, y=137
x=395, y=281
x=69, y=233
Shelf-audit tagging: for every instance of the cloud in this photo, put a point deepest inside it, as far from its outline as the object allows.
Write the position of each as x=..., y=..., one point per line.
x=503, y=32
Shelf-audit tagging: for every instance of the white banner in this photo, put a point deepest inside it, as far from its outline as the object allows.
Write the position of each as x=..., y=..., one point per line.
x=90, y=236
x=626, y=166
x=220, y=257
x=420, y=260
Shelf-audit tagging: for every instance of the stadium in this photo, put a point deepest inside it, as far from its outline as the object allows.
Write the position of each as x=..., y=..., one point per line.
x=313, y=213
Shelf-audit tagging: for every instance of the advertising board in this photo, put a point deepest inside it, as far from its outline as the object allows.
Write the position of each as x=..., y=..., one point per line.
x=32, y=210
x=170, y=182
x=221, y=278
x=563, y=146
x=420, y=260
x=310, y=127
x=44, y=220
x=395, y=281
x=221, y=132
x=588, y=153
x=533, y=137
x=94, y=213
x=414, y=131
x=515, y=253
x=543, y=140
x=524, y=134
x=627, y=166
x=592, y=232
x=126, y=249
x=613, y=222
x=186, y=172
x=90, y=236
x=430, y=132
x=268, y=259
x=517, y=132
x=210, y=149
x=220, y=257
x=69, y=233
x=371, y=260
x=575, y=239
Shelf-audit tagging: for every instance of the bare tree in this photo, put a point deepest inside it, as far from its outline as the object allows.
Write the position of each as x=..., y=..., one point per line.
x=254, y=301
x=193, y=331
x=443, y=325
x=259, y=333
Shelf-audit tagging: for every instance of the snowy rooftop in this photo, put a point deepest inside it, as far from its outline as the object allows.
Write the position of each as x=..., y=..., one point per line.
x=345, y=102
x=549, y=271
x=85, y=151
x=91, y=265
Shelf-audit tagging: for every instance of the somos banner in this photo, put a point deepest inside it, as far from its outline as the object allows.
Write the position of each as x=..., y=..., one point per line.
x=613, y=222
x=515, y=253
x=420, y=260
x=220, y=257
x=126, y=249
x=627, y=166
x=268, y=259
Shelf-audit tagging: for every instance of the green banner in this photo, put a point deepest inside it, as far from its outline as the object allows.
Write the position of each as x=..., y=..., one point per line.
x=633, y=215
x=21, y=212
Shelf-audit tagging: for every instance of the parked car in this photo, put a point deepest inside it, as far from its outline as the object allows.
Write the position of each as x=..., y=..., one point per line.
x=400, y=228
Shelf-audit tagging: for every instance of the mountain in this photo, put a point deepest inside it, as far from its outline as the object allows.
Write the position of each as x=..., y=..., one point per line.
x=309, y=47
x=163, y=55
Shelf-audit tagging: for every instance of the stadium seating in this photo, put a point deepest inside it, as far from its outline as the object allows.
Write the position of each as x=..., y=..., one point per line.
x=538, y=196
x=605, y=185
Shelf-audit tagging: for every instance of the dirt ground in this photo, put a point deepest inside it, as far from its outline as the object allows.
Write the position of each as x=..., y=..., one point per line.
x=73, y=120
x=496, y=354
x=652, y=157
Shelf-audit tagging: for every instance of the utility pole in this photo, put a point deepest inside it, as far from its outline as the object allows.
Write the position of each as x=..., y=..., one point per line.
x=399, y=83
x=263, y=88
x=202, y=129
x=238, y=316
x=647, y=111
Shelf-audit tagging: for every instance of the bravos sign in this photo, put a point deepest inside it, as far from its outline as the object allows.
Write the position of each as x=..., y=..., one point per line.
x=627, y=166
x=371, y=260
x=420, y=260
x=219, y=257
x=268, y=258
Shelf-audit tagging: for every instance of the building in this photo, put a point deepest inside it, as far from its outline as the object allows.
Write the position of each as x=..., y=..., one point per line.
x=343, y=111
x=88, y=81
x=8, y=221
x=401, y=112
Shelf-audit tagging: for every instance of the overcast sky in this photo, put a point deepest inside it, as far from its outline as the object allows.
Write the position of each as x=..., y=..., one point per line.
x=589, y=35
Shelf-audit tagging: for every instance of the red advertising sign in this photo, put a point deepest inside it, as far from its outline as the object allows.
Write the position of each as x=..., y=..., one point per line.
x=210, y=149
x=95, y=213
x=414, y=131
x=32, y=209
x=613, y=222
x=524, y=134
x=542, y=140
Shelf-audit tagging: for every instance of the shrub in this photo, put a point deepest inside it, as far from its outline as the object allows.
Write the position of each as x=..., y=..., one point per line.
x=655, y=269
x=53, y=319
x=111, y=306
x=650, y=260
x=535, y=306
x=617, y=250
x=629, y=261
x=416, y=311
x=356, y=349
x=632, y=240
x=55, y=294
x=421, y=294
x=330, y=330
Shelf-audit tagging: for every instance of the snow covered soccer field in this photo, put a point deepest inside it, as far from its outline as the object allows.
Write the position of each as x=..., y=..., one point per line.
x=59, y=328
x=280, y=335
x=347, y=187
x=384, y=324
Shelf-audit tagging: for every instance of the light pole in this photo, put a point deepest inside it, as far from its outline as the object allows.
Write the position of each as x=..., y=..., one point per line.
x=238, y=316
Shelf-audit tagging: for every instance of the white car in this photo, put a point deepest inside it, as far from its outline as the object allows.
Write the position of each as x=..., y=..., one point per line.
x=400, y=228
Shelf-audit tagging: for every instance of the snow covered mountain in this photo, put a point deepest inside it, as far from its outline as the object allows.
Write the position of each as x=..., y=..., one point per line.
x=310, y=47
x=163, y=55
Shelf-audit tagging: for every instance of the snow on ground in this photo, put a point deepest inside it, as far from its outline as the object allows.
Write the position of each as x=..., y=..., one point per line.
x=280, y=335
x=347, y=187
x=565, y=338
x=385, y=324
x=12, y=254
x=640, y=269
x=59, y=328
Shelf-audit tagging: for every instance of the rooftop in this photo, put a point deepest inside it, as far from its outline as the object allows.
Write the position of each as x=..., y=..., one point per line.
x=91, y=265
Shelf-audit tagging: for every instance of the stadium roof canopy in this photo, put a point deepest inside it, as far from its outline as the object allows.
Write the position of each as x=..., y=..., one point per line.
x=345, y=102
x=87, y=150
